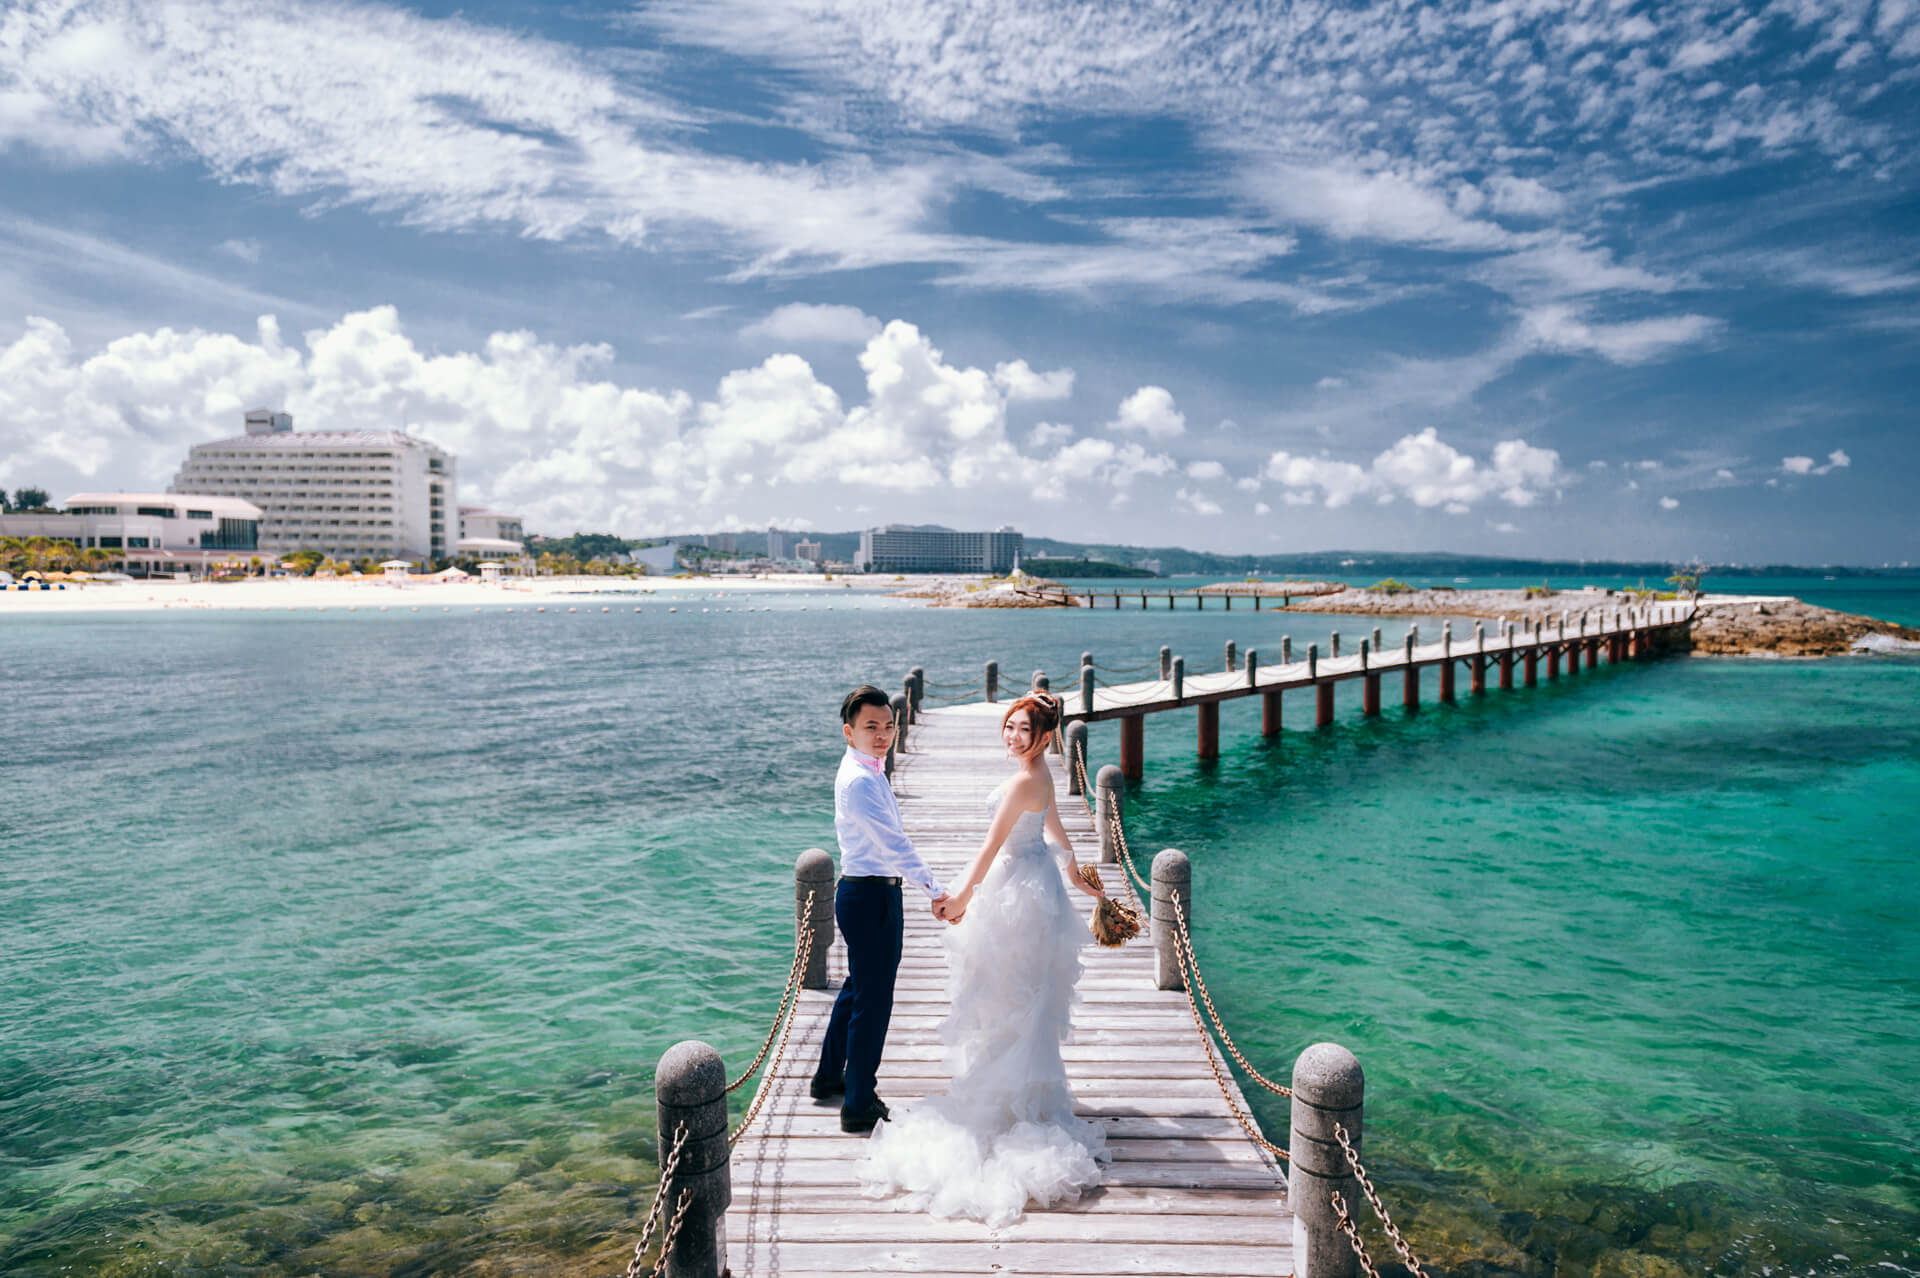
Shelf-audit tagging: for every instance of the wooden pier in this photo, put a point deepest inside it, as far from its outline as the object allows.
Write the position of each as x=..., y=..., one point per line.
x=1187, y=1191
x=1581, y=641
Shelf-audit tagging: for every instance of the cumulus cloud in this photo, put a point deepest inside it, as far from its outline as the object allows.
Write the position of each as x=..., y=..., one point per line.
x=1150, y=411
x=1206, y=470
x=1197, y=502
x=805, y=322
x=1020, y=382
x=541, y=429
x=1836, y=460
x=1669, y=503
x=1425, y=470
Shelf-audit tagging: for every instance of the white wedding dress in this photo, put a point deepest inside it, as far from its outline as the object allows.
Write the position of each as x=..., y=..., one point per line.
x=1003, y=1134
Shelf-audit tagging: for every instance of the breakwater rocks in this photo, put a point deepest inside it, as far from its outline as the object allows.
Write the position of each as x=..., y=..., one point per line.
x=1724, y=625
x=992, y=592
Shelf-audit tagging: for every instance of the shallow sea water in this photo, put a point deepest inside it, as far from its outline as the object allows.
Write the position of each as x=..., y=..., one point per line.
x=346, y=943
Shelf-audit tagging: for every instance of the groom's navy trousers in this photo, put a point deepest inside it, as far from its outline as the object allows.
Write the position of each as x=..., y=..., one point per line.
x=869, y=913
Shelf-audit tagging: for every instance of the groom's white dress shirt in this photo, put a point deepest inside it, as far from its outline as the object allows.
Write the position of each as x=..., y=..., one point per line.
x=866, y=819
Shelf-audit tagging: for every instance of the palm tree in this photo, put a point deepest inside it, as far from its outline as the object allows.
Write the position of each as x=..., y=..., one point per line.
x=13, y=554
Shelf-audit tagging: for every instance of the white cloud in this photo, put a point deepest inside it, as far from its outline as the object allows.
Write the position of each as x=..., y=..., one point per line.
x=247, y=251
x=1425, y=470
x=1261, y=508
x=1048, y=434
x=1504, y=527
x=1836, y=460
x=540, y=429
x=804, y=322
x=1669, y=503
x=1330, y=383
x=1022, y=383
x=1199, y=503
x=1150, y=411
x=1206, y=470
x=1351, y=203
x=1563, y=329
x=1723, y=474
x=1248, y=483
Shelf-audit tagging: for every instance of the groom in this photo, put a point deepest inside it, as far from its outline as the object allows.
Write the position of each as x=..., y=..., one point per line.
x=875, y=855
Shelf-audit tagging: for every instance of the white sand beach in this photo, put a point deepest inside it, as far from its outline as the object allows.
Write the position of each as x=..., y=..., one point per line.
x=308, y=594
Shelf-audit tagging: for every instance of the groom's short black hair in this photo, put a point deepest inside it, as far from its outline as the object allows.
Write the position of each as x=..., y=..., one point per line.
x=864, y=695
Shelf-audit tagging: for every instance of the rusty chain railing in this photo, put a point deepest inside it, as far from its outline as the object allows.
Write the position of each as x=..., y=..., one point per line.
x=1373, y=1200
x=782, y=1022
x=637, y=1268
x=1352, y=1232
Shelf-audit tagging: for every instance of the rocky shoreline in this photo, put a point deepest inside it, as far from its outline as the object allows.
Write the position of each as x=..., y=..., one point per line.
x=1724, y=625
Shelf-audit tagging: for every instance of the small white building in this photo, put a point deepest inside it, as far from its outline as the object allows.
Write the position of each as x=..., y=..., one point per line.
x=150, y=532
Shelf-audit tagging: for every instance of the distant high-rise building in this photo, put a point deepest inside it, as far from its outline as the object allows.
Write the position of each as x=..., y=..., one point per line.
x=356, y=494
x=899, y=548
x=807, y=551
x=729, y=542
x=776, y=544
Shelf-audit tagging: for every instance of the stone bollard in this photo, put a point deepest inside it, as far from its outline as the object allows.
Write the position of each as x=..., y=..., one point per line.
x=906, y=690
x=813, y=872
x=1172, y=880
x=1313, y=661
x=1233, y=655
x=993, y=681
x=1366, y=652
x=690, y=1092
x=1086, y=658
x=1253, y=667
x=1086, y=689
x=1479, y=636
x=1040, y=682
x=1411, y=637
x=1179, y=677
x=1110, y=789
x=919, y=674
x=1377, y=644
x=1446, y=639
x=1076, y=754
x=1328, y=1088
x=1333, y=649
x=1166, y=662
x=1286, y=650
x=902, y=720
x=1413, y=632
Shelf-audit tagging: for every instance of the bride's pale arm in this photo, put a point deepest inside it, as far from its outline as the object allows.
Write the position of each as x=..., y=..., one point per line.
x=1057, y=834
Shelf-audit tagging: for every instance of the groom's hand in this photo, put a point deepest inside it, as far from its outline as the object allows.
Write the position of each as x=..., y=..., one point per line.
x=943, y=909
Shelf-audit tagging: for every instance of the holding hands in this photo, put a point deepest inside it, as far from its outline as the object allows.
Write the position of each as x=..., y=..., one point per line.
x=949, y=908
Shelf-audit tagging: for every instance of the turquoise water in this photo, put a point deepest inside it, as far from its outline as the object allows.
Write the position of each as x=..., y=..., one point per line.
x=346, y=943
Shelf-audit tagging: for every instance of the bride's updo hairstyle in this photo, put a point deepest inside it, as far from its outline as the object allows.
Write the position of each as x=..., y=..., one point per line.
x=1043, y=715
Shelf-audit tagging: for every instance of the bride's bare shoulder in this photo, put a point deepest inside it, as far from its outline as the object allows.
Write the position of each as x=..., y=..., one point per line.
x=1030, y=791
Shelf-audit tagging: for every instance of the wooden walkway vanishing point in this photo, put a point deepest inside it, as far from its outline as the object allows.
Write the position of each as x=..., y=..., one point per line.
x=1186, y=1194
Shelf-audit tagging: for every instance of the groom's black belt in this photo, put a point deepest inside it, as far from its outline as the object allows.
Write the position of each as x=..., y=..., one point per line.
x=892, y=880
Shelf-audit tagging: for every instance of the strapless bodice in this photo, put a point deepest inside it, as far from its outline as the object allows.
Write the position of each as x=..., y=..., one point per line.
x=1028, y=837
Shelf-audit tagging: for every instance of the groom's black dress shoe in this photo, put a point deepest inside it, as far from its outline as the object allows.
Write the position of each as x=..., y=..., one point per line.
x=826, y=1087
x=864, y=1119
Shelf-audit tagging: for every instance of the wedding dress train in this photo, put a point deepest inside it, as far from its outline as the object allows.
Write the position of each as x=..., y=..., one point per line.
x=1003, y=1134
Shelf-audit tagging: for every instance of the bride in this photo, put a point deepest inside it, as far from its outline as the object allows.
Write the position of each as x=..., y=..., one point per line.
x=1003, y=1134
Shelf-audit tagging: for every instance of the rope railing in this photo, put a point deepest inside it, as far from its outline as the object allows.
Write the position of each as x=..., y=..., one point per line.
x=782, y=1021
x=786, y=997
x=1197, y=994
x=637, y=1267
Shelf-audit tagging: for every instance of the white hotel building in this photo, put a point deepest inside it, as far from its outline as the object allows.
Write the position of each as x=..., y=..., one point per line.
x=379, y=494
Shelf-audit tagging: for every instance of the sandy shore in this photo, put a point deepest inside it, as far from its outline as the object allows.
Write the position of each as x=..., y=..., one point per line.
x=309, y=594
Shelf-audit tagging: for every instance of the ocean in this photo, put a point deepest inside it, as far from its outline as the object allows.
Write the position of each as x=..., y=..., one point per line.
x=346, y=943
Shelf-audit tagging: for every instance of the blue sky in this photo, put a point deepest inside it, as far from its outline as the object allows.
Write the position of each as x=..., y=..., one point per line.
x=1584, y=279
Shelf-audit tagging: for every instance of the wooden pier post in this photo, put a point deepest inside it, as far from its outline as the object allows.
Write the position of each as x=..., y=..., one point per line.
x=1553, y=660
x=813, y=872
x=1110, y=789
x=1270, y=713
x=1533, y=667
x=1209, y=716
x=1506, y=671
x=1172, y=881
x=1410, y=684
x=1133, y=746
x=1322, y=692
x=1369, y=684
x=1076, y=754
x=1166, y=662
x=1233, y=655
x=1328, y=1087
x=690, y=1091
x=993, y=682
x=1446, y=681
